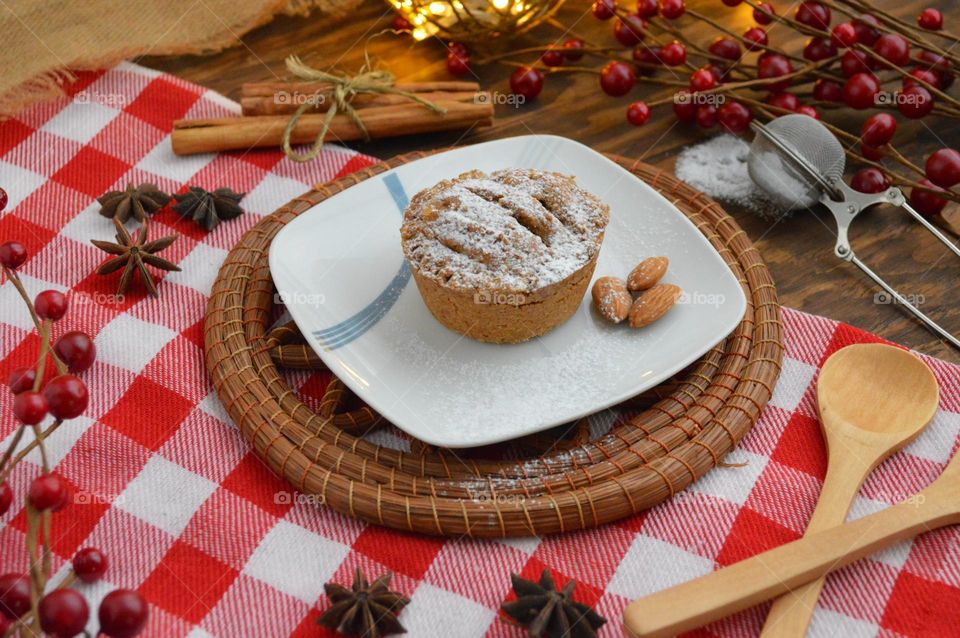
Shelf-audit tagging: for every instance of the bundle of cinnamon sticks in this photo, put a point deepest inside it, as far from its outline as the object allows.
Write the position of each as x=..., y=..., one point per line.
x=268, y=106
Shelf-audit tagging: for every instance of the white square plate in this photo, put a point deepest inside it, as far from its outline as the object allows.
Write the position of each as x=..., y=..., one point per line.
x=340, y=270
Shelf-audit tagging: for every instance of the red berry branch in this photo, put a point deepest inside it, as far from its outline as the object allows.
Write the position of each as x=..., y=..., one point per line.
x=29, y=604
x=856, y=57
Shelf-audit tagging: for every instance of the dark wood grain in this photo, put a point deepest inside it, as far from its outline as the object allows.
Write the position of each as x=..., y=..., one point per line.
x=799, y=250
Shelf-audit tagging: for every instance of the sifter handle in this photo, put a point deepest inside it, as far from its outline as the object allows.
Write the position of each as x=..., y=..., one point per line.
x=902, y=301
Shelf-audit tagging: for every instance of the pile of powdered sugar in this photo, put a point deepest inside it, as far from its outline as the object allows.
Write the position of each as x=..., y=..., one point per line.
x=718, y=168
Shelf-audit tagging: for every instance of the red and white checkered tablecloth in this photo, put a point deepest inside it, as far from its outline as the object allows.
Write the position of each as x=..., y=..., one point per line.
x=189, y=517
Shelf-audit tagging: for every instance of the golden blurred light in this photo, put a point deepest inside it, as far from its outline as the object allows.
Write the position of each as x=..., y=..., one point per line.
x=473, y=20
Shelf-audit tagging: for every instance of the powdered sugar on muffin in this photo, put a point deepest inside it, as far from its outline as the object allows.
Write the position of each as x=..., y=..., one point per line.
x=514, y=230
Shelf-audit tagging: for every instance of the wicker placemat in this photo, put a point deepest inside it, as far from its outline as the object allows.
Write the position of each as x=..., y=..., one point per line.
x=692, y=422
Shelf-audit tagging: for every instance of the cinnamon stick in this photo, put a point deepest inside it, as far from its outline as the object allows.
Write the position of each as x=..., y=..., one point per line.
x=288, y=101
x=269, y=89
x=241, y=133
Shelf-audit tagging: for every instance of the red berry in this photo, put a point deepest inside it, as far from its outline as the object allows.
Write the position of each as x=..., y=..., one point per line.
x=63, y=613
x=3, y=199
x=552, y=57
x=14, y=595
x=760, y=17
x=89, y=564
x=868, y=29
x=6, y=498
x=67, y=396
x=617, y=78
x=122, y=614
x=638, y=113
x=914, y=102
x=683, y=106
x=818, y=49
x=869, y=180
x=809, y=111
x=734, y=117
x=873, y=153
x=30, y=407
x=76, y=349
x=774, y=66
x=717, y=72
x=457, y=64
x=646, y=57
x=943, y=167
x=878, y=129
x=930, y=19
x=51, y=304
x=673, y=53
x=756, y=38
x=672, y=9
x=726, y=48
x=21, y=379
x=459, y=48
x=854, y=62
x=48, y=492
x=936, y=61
x=401, y=24
x=844, y=35
x=784, y=100
x=629, y=30
x=924, y=75
x=893, y=48
x=927, y=204
x=572, y=49
x=526, y=81
x=827, y=91
x=939, y=65
x=604, y=9
x=732, y=3
x=647, y=8
x=860, y=91
x=813, y=14
x=12, y=253
x=703, y=79
x=706, y=116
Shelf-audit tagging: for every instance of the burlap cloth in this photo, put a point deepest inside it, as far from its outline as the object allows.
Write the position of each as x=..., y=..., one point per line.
x=44, y=39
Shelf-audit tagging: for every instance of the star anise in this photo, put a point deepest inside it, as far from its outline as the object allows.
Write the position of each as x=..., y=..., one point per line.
x=366, y=609
x=208, y=208
x=134, y=255
x=141, y=201
x=544, y=611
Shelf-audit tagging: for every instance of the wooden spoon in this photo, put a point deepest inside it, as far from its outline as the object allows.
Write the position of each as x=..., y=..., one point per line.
x=884, y=391
x=867, y=397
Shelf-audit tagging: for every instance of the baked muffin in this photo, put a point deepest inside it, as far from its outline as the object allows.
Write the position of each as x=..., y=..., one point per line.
x=503, y=257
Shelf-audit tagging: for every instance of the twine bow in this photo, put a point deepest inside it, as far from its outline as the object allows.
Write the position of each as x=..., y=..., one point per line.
x=343, y=89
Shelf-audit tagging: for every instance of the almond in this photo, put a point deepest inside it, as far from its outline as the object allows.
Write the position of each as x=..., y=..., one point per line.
x=612, y=299
x=647, y=273
x=653, y=304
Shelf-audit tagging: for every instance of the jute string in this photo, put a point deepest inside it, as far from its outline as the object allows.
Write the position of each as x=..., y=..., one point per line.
x=343, y=89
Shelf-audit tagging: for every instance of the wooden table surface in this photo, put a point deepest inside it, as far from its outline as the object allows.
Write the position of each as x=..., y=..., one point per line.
x=798, y=250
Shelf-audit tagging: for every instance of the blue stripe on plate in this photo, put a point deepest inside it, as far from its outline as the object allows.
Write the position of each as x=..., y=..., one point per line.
x=349, y=329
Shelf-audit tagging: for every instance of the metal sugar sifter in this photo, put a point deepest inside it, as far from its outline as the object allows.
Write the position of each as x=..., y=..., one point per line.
x=798, y=162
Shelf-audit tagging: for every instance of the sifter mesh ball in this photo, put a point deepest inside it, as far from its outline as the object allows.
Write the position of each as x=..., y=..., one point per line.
x=787, y=184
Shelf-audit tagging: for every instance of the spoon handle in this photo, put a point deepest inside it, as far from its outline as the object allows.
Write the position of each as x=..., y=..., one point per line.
x=785, y=568
x=790, y=614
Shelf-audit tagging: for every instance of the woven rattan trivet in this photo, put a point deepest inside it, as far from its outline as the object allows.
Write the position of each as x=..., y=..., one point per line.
x=687, y=428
